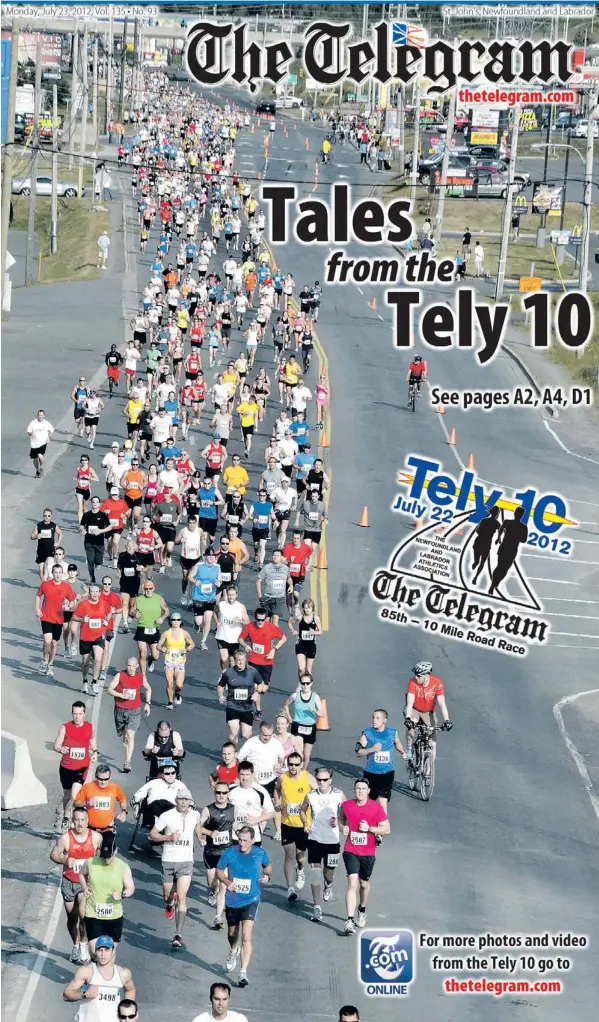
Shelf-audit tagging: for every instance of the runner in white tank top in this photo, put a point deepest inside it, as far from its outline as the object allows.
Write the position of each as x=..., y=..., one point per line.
x=103, y=1008
x=190, y=539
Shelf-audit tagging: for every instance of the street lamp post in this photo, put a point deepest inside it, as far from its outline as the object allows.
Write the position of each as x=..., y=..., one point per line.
x=585, y=241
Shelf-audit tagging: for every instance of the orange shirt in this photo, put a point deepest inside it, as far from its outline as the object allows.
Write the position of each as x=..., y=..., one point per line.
x=133, y=483
x=250, y=281
x=116, y=511
x=236, y=550
x=425, y=696
x=100, y=802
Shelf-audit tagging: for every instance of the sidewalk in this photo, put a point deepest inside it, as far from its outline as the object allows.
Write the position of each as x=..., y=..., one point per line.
x=54, y=333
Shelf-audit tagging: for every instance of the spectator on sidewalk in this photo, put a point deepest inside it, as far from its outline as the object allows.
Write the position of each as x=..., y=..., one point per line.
x=466, y=240
x=363, y=152
x=515, y=226
x=479, y=259
x=103, y=246
x=460, y=266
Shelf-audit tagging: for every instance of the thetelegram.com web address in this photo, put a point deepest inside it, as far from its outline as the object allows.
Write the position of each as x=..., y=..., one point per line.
x=513, y=96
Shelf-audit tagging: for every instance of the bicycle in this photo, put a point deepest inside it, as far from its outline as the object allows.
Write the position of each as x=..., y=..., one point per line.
x=412, y=396
x=421, y=764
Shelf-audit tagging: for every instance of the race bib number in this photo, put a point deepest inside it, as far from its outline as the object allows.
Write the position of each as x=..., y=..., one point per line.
x=129, y=693
x=104, y=911
x=76, y=867
x=278, y=586
x=293, y=808
x=233, y=519
x=304, y=729
x=358, y=838
x=242, y=886
x=241, y=818
x=382, y=757
x=95, y=622
x=93, y=530
x=221, y=837
x=77, y=754
x=149, y=631
x=313, y=516
x=183, y=842
x=206, y=503
x=101, y=803
x=109, y=994
x=306, y=636
x=129, y=572
x=332, y=860
x=240, y=694
x=295, y=568
x=262, y=521
x=264, y=776
x=206, y=588
x=225, y=576
x=115, y=522
x=45, y=534
x=176, y=656
x=257, y=648
x=166, y=519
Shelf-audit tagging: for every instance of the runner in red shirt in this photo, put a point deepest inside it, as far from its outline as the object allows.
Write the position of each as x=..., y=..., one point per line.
x=199, y=397
x=52, y=599
x=228, y=769
x=76, y=744
x=126, y=689
x=298, y=555
x=114, y=605
x=193, y=364
x=117, y=509
x=215, y=455
x=261, y=640
x=362, y=819
x=70, y=851
x=95, y=618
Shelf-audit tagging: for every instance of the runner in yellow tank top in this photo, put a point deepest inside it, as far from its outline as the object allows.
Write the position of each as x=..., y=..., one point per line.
x=291, y=790
x=175, y=643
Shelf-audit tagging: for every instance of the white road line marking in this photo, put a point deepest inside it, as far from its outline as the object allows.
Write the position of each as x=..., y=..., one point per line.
x=554, y=581
x=594, y=542
x=579, y=617
x=569, y=645
x=565, y=599
x=381, y=317
x=42, y=955
x=548, y=557
x=564, y=448
x=360, y=290
x=576, y=635
x=578, y=759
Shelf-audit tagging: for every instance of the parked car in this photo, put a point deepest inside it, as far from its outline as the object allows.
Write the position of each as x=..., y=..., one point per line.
x=66, y=189
x=567, y=118
x=266, y=106
x=290, y=102
x=582, y=129
x=428, y=167
x=502, y=166
x=492, y=182
x=489, y=152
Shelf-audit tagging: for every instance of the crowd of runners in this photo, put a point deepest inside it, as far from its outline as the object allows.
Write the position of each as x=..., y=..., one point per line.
x=171, y=498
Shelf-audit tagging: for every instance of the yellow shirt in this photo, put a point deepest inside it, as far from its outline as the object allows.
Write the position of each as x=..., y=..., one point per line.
x=293, y=793
x=247, y=412
x=236, y=478
x=231, y=376
x=182, y=319
x=326, y=146
x=292, y=372
x=252, y=206
x=134, y=409
x=236, y=550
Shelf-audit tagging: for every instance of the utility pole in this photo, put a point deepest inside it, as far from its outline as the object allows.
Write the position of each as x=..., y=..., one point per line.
x=585, y=243
x=84, y=113
x=415, y=143
x=507, y=209
x=109, y=77
x=54, y=199
x=136, y=65
x=445, y=165
x=123, y=66
x=566, y=165
x=29, y=256
x=95, y=90
x=73, y=107
x=8, y=161
x=364, y=34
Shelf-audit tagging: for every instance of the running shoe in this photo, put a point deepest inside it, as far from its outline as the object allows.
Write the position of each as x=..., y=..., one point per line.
x=291, y=895
x=300, y=878
x=327, y=893
x=243, y=978
x=350, y=926
x=316, y=916
x=361, y=918
x=177, y=941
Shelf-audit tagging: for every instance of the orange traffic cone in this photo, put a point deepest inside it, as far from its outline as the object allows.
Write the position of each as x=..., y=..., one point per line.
x=322, y=723
x=470, y=463
x=441, y=409
x=419, y=522
x=322, y=559
x=259, y=175
x=452, y=437
x=323, y=442
x=253, y=129
x=372, y=304
x=363, y=523
x=307, y=141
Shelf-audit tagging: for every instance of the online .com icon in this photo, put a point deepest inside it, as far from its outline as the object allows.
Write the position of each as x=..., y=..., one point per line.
x=386, y=961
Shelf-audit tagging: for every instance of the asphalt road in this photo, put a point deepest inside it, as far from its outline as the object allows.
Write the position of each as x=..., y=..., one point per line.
x=509, y=842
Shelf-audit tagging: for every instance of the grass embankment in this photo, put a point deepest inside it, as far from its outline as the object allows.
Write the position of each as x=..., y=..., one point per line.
x=586, y=368
x=78, y=232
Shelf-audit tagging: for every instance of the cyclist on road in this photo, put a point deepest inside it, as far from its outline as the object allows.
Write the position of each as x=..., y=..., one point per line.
x=424, y=691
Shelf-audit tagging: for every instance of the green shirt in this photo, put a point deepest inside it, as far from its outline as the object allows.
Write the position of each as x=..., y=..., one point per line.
x=149, y=610
x=152, y=358
x=102, y=880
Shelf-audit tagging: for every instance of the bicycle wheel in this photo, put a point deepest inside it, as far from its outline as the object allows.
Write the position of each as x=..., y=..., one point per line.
x=427, y=776
x=413, y=398
x=412, y=768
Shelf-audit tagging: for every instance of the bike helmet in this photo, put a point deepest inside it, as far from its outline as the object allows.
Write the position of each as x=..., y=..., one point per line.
x=418, y=358
x=421, y=668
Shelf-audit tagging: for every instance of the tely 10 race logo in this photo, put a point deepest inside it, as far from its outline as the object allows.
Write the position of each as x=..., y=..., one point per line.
x=459, y=572
x=386, y=964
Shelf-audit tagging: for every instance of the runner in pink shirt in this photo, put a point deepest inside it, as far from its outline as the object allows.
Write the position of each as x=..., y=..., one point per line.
x=362, y=820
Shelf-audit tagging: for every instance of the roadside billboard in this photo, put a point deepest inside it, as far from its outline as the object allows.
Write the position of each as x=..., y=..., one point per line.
x=51, y=48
